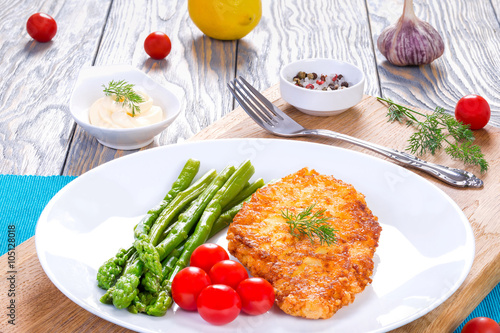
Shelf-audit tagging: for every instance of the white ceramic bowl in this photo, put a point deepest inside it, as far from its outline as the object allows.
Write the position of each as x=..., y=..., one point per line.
x=318, y=102
x=88, y=89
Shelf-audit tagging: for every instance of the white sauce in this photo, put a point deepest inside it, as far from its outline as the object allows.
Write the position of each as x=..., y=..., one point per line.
x=106, y=112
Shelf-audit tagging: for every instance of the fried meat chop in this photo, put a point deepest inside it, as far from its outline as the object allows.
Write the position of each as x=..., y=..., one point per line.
x=310, y=280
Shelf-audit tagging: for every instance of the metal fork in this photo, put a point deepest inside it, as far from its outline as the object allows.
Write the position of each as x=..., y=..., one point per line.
x=272, y=119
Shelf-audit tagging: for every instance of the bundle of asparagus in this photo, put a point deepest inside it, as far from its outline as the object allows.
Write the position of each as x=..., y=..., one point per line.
x=139, y=278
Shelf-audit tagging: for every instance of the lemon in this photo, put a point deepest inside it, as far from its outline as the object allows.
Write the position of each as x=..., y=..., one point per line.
x=225, y=19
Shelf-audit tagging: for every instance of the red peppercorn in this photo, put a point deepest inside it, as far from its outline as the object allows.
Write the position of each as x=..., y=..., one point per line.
x=320, y=82
x=310, y=86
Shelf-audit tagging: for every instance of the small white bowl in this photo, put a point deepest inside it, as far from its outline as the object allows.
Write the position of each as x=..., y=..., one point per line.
x=318, y=102
x=88, y=89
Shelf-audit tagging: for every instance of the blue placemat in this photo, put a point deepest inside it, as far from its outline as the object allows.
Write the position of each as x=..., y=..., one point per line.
x=22, y=199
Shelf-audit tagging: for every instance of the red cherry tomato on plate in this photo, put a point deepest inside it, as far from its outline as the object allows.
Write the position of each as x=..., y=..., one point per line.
x=219, y=304
x=257, y=296
x=481, y=325
x=187, y=285
x=208, y=254
x=41, y=27
x=157, y=45
x=473, y=110
x=228, y=272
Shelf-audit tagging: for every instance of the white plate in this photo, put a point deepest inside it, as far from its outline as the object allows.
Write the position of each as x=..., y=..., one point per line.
x=426, y=245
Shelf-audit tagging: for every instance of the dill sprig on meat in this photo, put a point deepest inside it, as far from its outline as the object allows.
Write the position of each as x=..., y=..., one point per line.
x=436, y=130
x=310, y=224
x=124, y=93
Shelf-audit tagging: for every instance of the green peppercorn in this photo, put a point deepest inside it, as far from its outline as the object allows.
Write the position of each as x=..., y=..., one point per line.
x=301, y=75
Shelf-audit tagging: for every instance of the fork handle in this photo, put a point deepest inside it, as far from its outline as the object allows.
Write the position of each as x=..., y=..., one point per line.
x=452, y=176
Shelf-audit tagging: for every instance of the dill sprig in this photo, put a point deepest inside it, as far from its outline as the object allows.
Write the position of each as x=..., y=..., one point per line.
x=436, y=130
x=310, y=224
x=124, y=93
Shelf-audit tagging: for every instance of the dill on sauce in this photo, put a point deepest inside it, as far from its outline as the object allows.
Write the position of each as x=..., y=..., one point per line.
x=124, y=93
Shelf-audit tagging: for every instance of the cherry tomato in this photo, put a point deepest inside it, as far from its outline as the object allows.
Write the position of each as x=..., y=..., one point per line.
x=207, y=255
x=481, y=325
x=41, y=27
x=187, y=285
x=219, y=304
x=473, y=110
x=228, y=272
x=257, y=296
x=157, y=45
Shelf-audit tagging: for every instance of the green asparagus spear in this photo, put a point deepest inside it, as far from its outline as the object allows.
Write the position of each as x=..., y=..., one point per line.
x=190, y=217
x=112, y=268
x=169, y=262
x=140, y=302
x=226, y=218
x=126, y=286
x=176, y=205
x=146, y=248
x=183, y=181
x=225, y=194
x=245, y=193
x=160, y=304
x=228, y=214
x=145, y=298
x=152, y=282
x=107, y=298
x=163, y=301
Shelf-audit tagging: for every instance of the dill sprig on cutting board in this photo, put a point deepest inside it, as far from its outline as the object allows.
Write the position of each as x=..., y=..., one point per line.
x=124, y=93
x=438, y=129
x=310, y=224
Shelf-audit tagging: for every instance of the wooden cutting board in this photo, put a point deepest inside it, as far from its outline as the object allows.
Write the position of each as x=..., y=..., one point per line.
x=41, y=307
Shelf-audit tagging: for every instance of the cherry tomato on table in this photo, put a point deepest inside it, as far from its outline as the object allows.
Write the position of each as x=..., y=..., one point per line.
x=228, y=272
x=257, y=296
x=157, y=45
x=473, y=110
x=207, y=255
x=41, y=27
x=481, y=325
x=187, y=285
x=219, y=304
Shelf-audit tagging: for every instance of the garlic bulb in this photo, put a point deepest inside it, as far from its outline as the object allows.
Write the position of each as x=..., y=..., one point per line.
x=410, y=41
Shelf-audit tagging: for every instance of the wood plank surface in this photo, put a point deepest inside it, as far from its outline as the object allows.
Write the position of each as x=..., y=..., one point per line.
x=38, y=136
x=36, y=133
x=203, y=66
x=37, y=80
x=42, y=307
x=338, y=29
x=293, y=30
x=470, y=62
x=199, y=65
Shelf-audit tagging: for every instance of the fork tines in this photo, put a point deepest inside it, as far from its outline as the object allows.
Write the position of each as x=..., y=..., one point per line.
x=259, y=108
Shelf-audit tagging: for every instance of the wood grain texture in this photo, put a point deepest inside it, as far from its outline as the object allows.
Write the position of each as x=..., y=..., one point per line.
x=37, y=79
x=293, y=30
x=201, y=66
x=469, y=65
x=479, y=205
